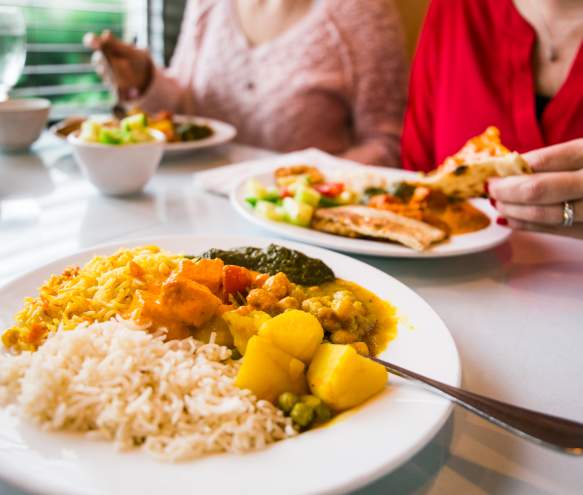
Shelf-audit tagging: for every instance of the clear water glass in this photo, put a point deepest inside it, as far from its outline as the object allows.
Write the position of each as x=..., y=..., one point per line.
x=12, y=48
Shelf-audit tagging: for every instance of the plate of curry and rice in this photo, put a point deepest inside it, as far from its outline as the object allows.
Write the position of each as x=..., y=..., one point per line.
x=165, y=364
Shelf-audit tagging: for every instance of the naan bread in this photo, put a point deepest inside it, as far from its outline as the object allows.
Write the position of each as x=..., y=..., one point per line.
x=464, y=174
x=467, y=180
x=362, y=221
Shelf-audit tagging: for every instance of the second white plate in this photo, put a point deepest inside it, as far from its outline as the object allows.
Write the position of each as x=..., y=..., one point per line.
x=457, y=245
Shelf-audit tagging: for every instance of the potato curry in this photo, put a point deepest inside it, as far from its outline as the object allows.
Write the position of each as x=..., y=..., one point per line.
x=198, y=297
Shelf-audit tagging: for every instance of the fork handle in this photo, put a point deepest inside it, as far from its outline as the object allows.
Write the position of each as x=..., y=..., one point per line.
x=558, y=433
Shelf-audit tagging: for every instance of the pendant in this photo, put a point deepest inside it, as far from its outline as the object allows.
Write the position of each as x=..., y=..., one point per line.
x=553, y=56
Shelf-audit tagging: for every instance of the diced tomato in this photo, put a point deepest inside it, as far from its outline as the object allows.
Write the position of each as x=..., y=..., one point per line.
x=329, y=189
x=285, y=192
x=235, y=279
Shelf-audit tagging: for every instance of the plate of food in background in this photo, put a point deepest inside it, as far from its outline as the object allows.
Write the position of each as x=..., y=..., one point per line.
x=167, y=359
x=384, y=212
x=183, y=132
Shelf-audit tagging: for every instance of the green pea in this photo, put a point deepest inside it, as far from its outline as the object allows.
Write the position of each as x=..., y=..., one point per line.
x=310, y=400
x=302, y=414
x=323, y=412
x=287, y=401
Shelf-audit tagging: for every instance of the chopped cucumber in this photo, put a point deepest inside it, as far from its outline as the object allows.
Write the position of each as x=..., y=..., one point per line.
x=270, y=211
x=110, y=135
x=299, y=181
x=90, y=131
x=137, y=122
x=307, y=195
x=254, y=189
x=252, y=201
x=137, y=136
x=297, y=213
x=326, y=202
x=272, y=195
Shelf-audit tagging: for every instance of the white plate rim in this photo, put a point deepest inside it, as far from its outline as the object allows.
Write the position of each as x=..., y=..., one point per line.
x=222, y=133
x=39, y=486
x=479, y=241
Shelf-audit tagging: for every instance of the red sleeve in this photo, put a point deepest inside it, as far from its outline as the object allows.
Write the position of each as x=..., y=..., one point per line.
x=417, y=140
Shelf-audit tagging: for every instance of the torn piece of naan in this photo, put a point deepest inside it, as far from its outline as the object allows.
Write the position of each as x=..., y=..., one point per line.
x=467, y=180
x=464, y=174
x=362, y=221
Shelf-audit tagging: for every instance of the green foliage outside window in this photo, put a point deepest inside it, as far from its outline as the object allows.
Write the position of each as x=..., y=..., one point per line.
x=54, y=39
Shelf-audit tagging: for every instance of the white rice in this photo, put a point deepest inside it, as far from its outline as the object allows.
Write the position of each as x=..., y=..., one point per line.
x=176, y=399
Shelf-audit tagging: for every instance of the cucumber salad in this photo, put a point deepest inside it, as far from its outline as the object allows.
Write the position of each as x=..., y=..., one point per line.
x=298, y=192
x=131, y=130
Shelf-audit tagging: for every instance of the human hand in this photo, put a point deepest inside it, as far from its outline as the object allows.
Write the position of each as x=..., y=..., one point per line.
x=535, y=202
x=123, y=66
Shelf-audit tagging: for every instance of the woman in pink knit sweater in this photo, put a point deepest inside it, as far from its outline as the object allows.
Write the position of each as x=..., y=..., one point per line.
x=289, y=74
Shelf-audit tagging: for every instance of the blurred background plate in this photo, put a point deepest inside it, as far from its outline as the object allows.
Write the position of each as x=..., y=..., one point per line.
x=222, y=132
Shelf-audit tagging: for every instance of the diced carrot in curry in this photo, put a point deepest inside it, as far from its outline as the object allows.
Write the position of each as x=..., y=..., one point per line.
x=235, y=279
x=188, y=301
x=146, y=310
x=204, y=271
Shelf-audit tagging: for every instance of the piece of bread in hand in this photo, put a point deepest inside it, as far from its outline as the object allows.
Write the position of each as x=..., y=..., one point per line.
x=467, y=180
x=482, y=157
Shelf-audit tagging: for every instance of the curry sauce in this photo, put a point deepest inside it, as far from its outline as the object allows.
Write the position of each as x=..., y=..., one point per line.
x=453, y=216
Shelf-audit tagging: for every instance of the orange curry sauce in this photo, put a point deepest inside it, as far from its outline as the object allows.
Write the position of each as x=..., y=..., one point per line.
x=435, y=208
x=192, y=298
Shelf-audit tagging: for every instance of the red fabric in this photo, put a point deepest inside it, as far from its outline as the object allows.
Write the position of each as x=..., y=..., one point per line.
x=473, y=69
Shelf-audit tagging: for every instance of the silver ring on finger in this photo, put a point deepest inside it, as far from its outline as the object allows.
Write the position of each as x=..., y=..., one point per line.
x=568, y=213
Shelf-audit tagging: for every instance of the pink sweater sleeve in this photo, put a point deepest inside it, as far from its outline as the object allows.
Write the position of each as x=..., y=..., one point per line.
x=373, y=41
x=170, y=89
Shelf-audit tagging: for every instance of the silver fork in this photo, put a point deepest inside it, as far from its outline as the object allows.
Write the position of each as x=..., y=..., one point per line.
x=557, y=433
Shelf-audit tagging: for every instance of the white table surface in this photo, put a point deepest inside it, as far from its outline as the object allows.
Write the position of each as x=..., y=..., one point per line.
x=516, y=312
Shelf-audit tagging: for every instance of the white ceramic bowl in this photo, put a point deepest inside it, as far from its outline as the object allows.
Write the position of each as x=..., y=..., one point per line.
x=118, y=170
x=21, y=122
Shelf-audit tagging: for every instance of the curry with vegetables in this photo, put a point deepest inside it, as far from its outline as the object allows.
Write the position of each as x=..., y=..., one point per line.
x=206, y=296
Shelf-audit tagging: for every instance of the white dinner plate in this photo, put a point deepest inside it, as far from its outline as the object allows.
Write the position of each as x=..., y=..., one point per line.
x=353, y=451
x=457, y=245
x=222, y=133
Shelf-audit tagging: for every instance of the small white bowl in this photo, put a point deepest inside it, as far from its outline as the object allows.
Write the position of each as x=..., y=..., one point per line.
x=118, y=170
x=21, y=122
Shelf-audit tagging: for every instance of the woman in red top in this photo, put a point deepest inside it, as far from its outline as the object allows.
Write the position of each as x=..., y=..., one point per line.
x=517, y=65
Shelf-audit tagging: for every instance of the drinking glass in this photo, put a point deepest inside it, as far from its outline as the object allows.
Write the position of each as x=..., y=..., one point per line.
x=12, y=48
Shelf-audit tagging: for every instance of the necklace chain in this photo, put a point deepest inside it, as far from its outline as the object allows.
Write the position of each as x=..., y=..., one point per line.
x=552, y=51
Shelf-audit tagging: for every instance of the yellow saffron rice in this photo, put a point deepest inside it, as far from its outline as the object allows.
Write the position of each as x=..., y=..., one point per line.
x=100, y=290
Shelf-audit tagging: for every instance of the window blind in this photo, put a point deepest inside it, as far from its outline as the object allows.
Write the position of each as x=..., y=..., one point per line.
x=58, y=67
x=164, y=26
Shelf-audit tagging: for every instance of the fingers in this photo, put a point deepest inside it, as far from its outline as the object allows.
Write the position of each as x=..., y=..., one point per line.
x=556, y=158
x=114, y=47
x=108, y=43
x=91, y=41
x=538, y=189
x=550, y=215
x=95, y=41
